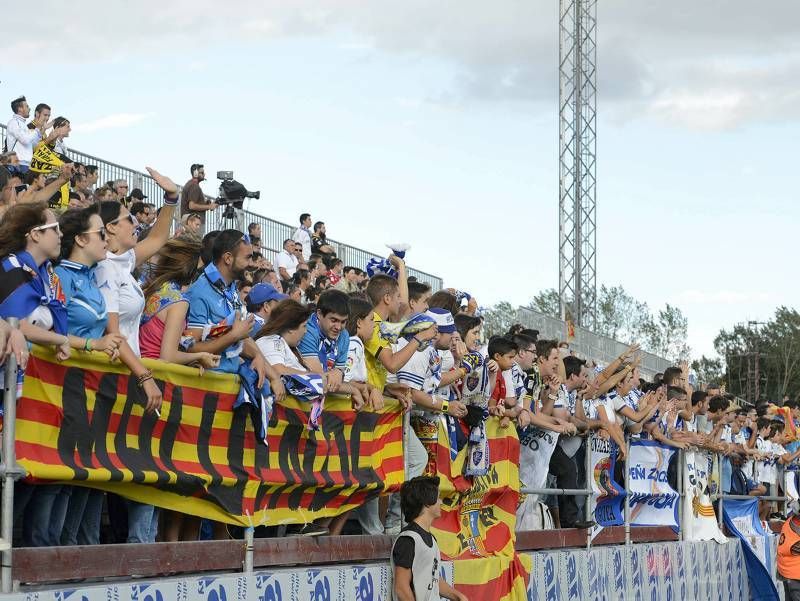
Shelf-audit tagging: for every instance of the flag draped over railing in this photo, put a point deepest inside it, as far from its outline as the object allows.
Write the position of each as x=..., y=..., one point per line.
x=82, y=421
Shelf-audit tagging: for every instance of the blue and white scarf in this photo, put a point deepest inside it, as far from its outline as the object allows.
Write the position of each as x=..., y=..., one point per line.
x=309, y=388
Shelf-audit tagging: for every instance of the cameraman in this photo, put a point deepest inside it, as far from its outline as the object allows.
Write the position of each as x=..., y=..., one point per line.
x=192, y=198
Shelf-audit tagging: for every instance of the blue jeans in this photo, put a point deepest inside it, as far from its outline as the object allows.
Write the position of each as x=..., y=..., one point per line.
x=142, y=522
x=82, y=522
x=34, y=504
x=369, y=518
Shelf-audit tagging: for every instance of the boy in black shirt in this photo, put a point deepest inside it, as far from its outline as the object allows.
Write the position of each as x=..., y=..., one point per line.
x=415, y=554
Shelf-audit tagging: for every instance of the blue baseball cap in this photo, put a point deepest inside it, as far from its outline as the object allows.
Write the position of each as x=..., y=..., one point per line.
x=261, y=293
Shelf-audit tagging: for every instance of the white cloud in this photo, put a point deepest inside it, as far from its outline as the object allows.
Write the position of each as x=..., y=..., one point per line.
x=699, y=65
x=116, y=121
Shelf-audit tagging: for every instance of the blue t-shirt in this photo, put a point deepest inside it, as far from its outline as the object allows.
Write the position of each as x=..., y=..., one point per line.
x=331, y=353
x=86, y=307
x=213, y=303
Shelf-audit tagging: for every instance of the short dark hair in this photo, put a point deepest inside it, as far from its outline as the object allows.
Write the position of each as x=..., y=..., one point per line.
x=674, y=392
x=790, y=403
x=670, y=374
x=416, y=290
x=718, y=403
x=303, y=217
x=138, y=207
x=91, y=169
x=763, y=422
x=333, y=301
x=698, y=396
x=379, y=286
x=253, y=225
x=226, y=241
x=300, y=275
x=60, y=121
x=318, y=225
x=444, y=300
x=41, y=107
x=573, y=366
x=545, y=347
x=194, y=167
x=524, y=342
x=16, y=103
x=465, y=323
x=500, y=345
x=417, y=494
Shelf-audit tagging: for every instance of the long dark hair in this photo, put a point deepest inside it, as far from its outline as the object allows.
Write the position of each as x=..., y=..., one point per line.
x=287, y=315
x=358, y=308
x=177, y=262
x=73, y=223
x=17, y=222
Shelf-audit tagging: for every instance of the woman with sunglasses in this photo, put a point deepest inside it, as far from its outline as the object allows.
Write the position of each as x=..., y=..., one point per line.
x=30, y=238
x=83, y=245
x=125, y=304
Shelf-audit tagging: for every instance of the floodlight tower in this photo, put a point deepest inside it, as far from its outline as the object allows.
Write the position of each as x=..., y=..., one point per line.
x=577, y=49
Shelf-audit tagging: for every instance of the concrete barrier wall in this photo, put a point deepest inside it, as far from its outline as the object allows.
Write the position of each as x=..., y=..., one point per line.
x=705, y=571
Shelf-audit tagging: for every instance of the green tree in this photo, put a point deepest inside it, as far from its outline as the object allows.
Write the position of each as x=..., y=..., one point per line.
x=547, y=302
x=498, y=318
x=709, y=370
x=620, y=316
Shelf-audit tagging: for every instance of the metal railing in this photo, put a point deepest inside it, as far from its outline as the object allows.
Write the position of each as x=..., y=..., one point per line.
x=273, y=233
x=720, y=497
x=588, y=344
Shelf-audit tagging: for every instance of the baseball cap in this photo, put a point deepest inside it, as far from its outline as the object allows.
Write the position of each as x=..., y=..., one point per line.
x=443, y=319
x=261, y=293
x=138, y=194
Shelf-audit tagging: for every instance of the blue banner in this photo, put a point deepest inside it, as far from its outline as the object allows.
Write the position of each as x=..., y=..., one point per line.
x=653, y=501
x=608, y=511
x=741, y=518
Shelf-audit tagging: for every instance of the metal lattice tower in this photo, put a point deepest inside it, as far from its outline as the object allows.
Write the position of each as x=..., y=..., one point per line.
x=577, y=281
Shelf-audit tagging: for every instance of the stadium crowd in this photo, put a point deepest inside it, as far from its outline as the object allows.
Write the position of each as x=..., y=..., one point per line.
x=104, y=268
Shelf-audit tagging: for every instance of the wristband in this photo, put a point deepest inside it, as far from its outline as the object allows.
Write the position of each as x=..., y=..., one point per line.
x=87, y=346
x=146, y=375
x=171, y=202
x=445, y=406
x=419, y=342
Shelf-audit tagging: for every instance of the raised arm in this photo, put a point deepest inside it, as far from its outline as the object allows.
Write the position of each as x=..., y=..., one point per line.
x=159, y=233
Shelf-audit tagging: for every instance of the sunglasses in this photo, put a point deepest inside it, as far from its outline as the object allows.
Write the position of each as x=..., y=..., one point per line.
x=101, y=231
x=46, y=226
x=21, y=188
x=129, y=217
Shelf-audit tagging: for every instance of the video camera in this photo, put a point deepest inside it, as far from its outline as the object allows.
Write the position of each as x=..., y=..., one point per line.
x=232, y=194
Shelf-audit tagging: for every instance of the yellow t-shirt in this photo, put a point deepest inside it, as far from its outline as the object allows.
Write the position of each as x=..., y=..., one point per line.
x=376, y=372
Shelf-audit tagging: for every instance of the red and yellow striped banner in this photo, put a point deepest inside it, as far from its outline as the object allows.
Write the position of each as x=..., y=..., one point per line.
x=476, y=528
x=82, y=421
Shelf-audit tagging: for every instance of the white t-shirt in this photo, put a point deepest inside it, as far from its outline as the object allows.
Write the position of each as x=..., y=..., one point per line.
x=287, y=261
x=612, y=404
x=763, y=471
x=448, y=362
x=277, y=352
x=423, y=371
x=122, y=293
x=303, y=236
x=356, y=368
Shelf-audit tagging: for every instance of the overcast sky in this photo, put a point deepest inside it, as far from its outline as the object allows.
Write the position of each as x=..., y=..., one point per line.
x=436, y=123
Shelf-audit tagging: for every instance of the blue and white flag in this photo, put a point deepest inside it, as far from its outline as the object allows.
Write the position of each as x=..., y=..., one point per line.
x=652, y=500
x=309, y=388
x=610, y=495
x=741, y=519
